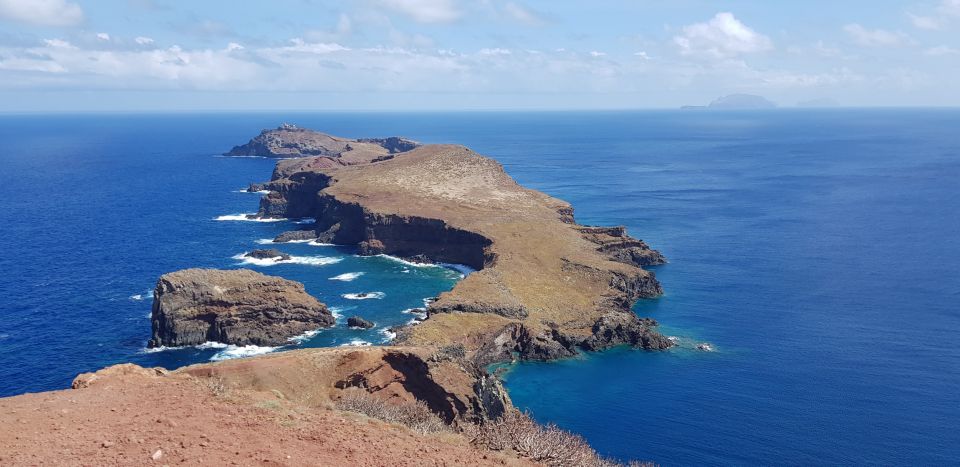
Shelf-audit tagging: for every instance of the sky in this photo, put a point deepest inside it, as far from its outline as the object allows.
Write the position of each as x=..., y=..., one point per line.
x=395, y=55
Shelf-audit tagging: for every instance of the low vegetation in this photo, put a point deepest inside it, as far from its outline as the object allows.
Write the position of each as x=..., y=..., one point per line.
x=415, y=415
x=547, y=444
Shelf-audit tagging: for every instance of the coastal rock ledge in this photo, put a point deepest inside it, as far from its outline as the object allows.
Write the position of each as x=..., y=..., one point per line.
x=239, y=307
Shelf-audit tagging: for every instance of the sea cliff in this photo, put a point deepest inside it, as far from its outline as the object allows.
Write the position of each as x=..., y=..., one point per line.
x=544, y=287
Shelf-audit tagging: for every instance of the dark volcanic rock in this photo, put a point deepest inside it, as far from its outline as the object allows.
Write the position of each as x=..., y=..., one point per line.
x=239, y=307
x=393, y=144
x=615, y=243
x=358, y=322
x=268, y=254
x=295, y=235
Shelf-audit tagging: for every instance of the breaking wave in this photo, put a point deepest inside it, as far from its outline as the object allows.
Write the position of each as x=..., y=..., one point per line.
x=463, y=269
x=356, y=343
x=233, y=351
x=142, y=296
x=307, y=260
x=388, y=335
x=347, y=276
x=246, y=217
x=363, y=295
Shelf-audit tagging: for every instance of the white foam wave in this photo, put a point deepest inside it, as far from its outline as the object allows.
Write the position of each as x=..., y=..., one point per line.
x=363, y=296
x=316, y=243
x=420, y=313
x=347, y=276
x=406, y=262
x=305, y=220
x=247, y=218
x=142, y=296
x=269, y=241
x=260, y=192
x=337, y=312
x=233, y=351
x=307, y=260
x=356, y=343
x=388, y=335
x=463, y=269
x=304, y=337
x=205, y=345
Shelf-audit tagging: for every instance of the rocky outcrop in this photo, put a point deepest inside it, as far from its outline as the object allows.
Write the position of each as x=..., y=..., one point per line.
x=239, y=307
x=543, y=282
x=268, y=254
x=296, y=236
x=290, y=141
x=618, y=246
x=358, y=322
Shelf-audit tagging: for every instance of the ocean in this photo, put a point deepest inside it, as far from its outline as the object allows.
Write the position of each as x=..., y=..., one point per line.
x=817, y=251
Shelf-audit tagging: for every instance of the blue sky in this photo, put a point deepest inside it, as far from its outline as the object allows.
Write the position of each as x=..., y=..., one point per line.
x=66, y=55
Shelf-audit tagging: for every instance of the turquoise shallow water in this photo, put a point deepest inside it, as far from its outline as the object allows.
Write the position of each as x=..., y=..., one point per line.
x=817, y=251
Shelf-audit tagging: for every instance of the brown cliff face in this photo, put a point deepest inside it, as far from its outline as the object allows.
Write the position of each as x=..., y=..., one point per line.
x=239, y=307
x=545, y=286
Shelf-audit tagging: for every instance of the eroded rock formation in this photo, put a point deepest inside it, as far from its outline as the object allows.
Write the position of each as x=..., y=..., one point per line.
x=240, y=307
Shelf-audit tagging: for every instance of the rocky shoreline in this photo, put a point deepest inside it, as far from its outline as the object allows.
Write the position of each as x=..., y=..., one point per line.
x=544, y=288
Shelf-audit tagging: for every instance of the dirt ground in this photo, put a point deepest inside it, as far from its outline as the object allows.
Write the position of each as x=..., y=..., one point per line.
x=138, y=418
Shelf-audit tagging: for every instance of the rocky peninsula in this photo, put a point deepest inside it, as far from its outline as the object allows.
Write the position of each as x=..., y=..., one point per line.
x=239, y=307
x=544, y=288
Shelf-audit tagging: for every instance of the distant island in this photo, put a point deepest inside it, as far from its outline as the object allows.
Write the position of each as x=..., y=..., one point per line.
x=735, y=102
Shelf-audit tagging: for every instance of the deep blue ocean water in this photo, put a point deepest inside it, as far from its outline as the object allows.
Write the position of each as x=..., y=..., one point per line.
x=817, y=251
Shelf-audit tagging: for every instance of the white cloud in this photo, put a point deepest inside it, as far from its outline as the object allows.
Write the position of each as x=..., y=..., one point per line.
x=103, y=36
x=425, y=11
x=597, y=53
x=642, y=55
x=941, y=50
x=234, y=46
x=495, y=51
x=924, y=22
x=874, y=37
x=522, y=14
x=723, y=36
x=143, y=40
x=950, y=8
x=42, y=12
x=58, y=44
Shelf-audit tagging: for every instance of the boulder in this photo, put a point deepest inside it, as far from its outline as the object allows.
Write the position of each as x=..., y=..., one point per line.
x=358, y=322
x=268, y=254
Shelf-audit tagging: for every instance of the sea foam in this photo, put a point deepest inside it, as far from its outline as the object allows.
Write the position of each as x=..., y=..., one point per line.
x=233, y=351
x=363, y=296
x=269, y=241
x=307, y=260
x=244, y=217
x=142, y=296
x=347, y=276
x=356, y=343
x=463, y=269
